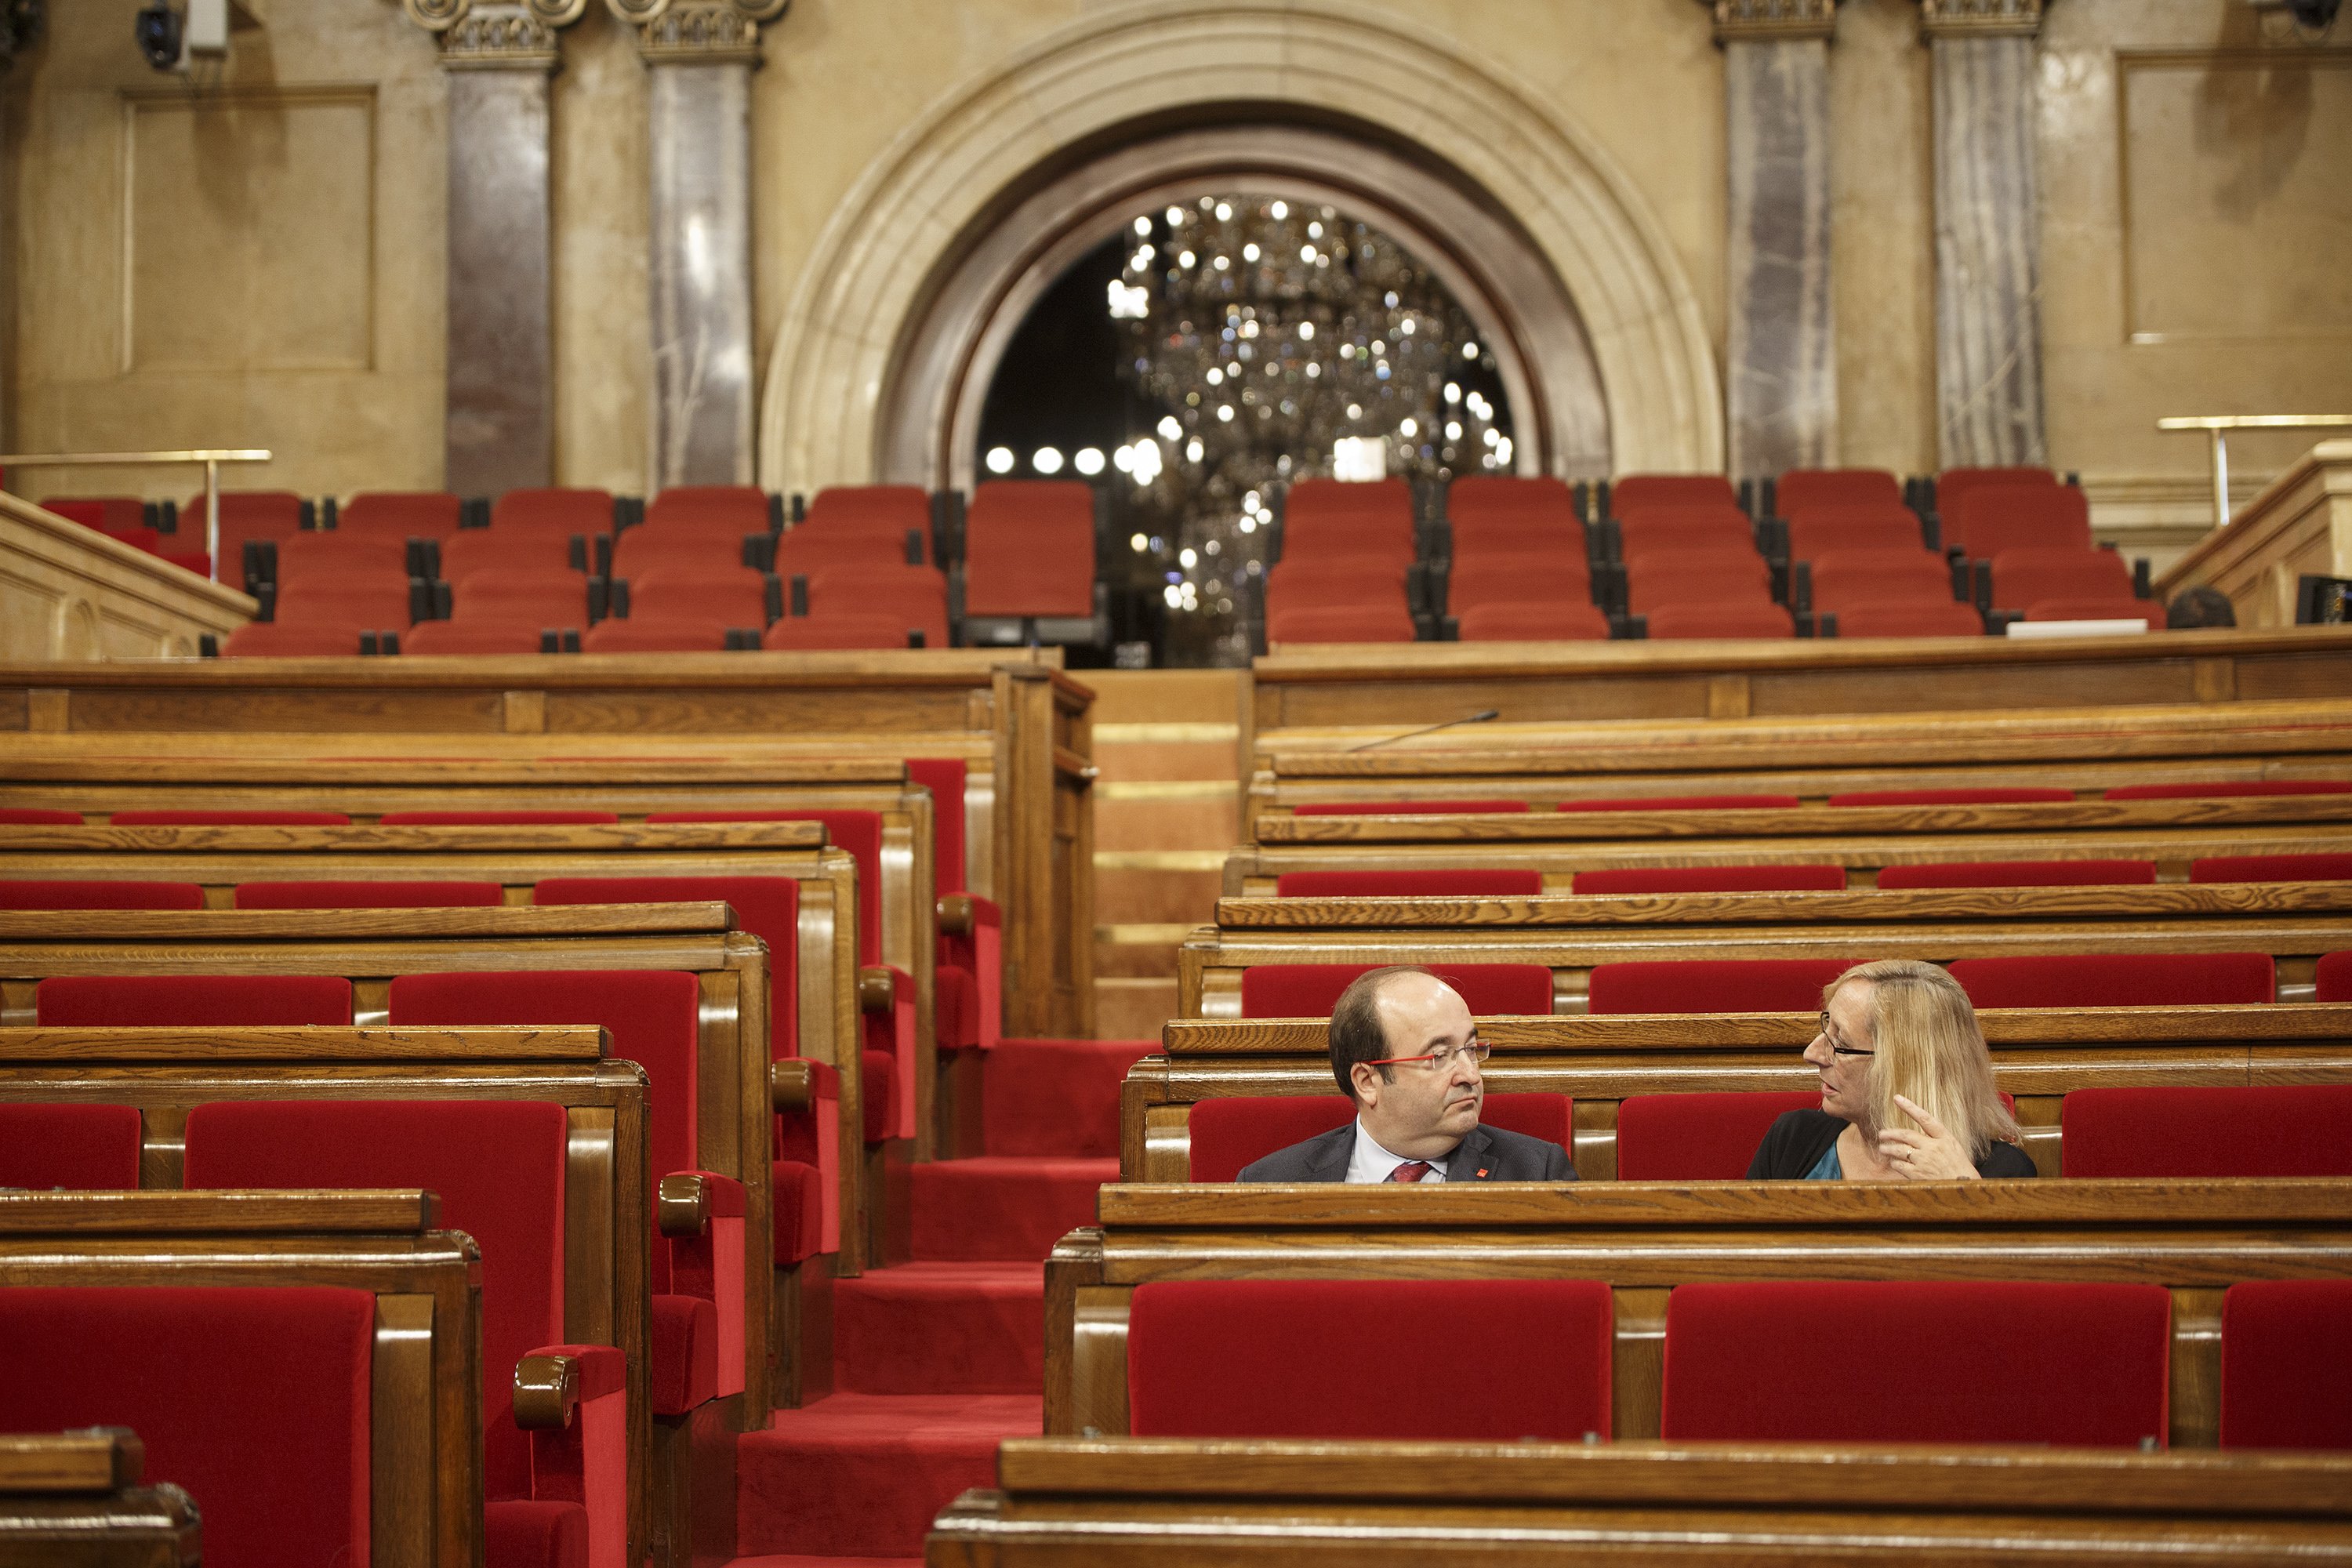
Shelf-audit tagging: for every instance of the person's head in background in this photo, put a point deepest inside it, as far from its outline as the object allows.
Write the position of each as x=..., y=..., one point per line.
x=2201, y=607
x=1899, y=1026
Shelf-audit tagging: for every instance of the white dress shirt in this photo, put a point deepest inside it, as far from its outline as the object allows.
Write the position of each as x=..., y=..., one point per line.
x=1371, y=1162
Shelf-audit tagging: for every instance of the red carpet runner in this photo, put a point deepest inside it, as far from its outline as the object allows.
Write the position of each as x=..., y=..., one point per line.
x=936, y=1360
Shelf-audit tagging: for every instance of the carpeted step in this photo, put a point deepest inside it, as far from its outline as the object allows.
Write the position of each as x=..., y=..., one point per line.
x=1055, y=1097
x=866, y=1473
x=1002, y=1209
x=941, y=1328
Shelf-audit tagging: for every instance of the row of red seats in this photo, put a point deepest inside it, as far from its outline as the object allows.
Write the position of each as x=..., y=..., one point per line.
x=1803, y=878
x=1999, y=795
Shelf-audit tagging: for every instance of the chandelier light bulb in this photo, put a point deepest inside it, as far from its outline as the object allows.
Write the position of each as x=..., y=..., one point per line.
x=1280, y=210
x=1225, y=212
x=1170, y=428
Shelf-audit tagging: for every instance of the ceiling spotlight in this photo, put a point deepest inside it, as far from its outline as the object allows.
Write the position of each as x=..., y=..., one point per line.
x=1047, y=460
x=1089, y=461
x=1000, y=459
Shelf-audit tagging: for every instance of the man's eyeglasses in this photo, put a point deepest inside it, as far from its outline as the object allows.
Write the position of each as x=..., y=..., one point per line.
x=1835, y=1048
x=1437, y=1061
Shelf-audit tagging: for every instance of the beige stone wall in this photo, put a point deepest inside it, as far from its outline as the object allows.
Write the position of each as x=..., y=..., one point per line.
x=351, y=394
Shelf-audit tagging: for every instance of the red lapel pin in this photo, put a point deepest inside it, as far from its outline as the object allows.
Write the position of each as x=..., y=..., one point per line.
x=1482, y=1170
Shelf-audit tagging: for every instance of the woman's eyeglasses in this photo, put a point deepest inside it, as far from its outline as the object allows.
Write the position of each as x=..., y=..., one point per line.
x=1437, y=1061
x=1835, y=1048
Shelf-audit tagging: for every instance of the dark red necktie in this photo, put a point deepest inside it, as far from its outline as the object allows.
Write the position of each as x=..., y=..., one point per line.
x=1411, y=1171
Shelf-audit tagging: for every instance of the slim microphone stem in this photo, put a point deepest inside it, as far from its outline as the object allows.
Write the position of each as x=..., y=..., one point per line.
x=1478, y=717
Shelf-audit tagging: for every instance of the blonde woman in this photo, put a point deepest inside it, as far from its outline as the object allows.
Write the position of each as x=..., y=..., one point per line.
x=1906, y=1088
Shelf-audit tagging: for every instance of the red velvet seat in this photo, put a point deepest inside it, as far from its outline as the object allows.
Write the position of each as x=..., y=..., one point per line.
x=1682, y=622
x=1991, y=521
x=257, y=1401
x=477, y=639
x=1266, y=1358
x=86, y=1147
x=739, y=506
x=1846, y=578
x=176, y=818
x=498, y=1166
x=372, y=605
x=1558, y=578
x=1664, y=579
x=1310, y=989
x=1686, y=528
x=2286, y=1364
x=553, y=511
x=1474, y=496
x=1404, y=884
x=806, y=550
x=846, y=631
x=1954, y=485
x=1685, y=803
x=889, y=511
x=329, y=895
x=2226, y=789
x=1389, y=501
x=348, y=557
x=1029, y=548
x=1713, y=879
x=1909, y=618
x=1231, y=1132
x=512, y=548
x=191, y=1001
x=1995, y=795
x=2335, y=978
x=889, y=1040
x=1697, y=1137
x=2284, y=1130
x=1713, y=986
x=729, y=596
x=270, y=639
x=1944, y=1361
x=38, y=816
x=916, y=598
x=1561, y=621
x=39, y=894
x=2101, y=607
x=652, y=1018
x=244, y=515
x=1803, y=490
x=523, y=818
x=2270, y=868
x=2119, y=980
x=2021, y=874
x=408, y=514
x=1410, y=808
x=664, y=634
x=549, y=600
x=1814, y=532
x=1637, y=490
x=1382, y=622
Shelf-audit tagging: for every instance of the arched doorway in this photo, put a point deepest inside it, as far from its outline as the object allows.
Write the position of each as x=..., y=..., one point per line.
x=925, y=265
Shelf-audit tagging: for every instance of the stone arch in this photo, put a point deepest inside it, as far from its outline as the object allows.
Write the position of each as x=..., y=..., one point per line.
x=963, y=168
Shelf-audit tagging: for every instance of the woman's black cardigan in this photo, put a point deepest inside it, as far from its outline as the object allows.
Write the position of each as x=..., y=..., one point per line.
x=1800, y=1138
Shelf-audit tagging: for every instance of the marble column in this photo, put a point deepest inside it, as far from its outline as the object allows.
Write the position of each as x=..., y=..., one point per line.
x=1781, y=391
x=700, y=54
x=499, y=423
x=1988, y=232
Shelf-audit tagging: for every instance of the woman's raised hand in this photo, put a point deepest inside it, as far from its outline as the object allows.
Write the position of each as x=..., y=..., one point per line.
x=1931, y=1155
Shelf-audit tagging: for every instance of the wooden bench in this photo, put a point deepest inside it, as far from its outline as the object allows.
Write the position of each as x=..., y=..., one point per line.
x=1863, y=839
x=164, y=1074
x=2039, y=1056
x=1641, y=1239
x=79, y=1492
x=1162, y=1502
x=2084, y=749
x=2295, y=921
x=425, y=1458
x=1021, y=727
x=741, y=1091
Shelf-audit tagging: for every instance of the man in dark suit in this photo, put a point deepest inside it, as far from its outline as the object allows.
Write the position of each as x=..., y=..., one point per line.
x=1406, y=1050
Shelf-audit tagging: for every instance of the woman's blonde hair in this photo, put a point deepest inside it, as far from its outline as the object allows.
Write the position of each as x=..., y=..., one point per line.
x=1928, y=1050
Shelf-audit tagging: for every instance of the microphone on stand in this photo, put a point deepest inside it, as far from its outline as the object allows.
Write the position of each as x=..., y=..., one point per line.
x=1478, y=717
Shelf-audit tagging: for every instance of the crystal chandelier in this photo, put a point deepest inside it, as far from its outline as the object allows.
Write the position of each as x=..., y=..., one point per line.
x=1269, y=332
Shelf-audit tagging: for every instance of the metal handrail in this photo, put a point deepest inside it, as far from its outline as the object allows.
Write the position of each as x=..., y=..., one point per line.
x=212, y=458
x=2219, y=426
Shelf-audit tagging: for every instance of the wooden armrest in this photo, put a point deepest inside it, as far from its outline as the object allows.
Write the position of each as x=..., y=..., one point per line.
x=956, y=915
x=91, y=1459
x=687, y=1201
x=878, y=990
x=791, y=1085
x=551, y=1382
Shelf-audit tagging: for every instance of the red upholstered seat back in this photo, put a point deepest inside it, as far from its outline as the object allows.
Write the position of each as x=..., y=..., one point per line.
x=177, y=818
x=2119, y=980
x=1310, y=989
x=1697, y=1137
x=1268, y=1358
x=2021, y=874
x=83, y=1146
x=1685, y=803
x=191, y=1001
x=1411, y=808
x=1672, y=623
x=767, y=907
x=1556, y=621
x=1916, y=1361
x=1999, y=795
x=2222, y=789
x=1713, y=879
x=1406, y=884
x=653, y=1017
x=1029, y=548
x=2286, y=1364
x=2334, y=977
x=1232, y=1132
x=37, y=894
x=2270, y=868
x=1637, y=490
x=254, y=1400
x=2288, y=1129
x=944, y=777
x=1713, y=986
x=499, y=1167
x=1806, y=489
x=38, y=816
x=1478, y=496
x=496, y=818
x=859, y=832
x=369, y=895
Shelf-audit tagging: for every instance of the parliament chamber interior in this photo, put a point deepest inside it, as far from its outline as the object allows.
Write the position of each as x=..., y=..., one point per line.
x=742, y=743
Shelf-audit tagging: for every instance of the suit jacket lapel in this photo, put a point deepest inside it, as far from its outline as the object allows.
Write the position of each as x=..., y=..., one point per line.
x=1474, y=1158
x=1330, y=1158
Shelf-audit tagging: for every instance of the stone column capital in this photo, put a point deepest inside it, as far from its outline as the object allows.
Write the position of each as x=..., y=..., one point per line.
x=496, y=35
x=1773, y=21
x=1980, y=19
x=698, y=32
